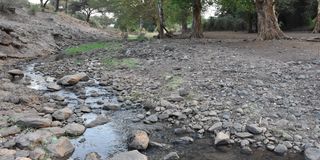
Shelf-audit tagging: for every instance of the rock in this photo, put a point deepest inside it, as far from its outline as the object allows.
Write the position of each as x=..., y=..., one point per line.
x=47, y=110
x=175, y=98
x=184, y=140
x=139, y=140
x=246, y=150
x=85, y=109
x=16, y=72
x=216, y=126
x=74, y=129
x=151, y=119
x=100, y=120
x=254, y=129
x=61, y=149
x=280, y=149
x=221, y=139
x=70, y=80
x=312, y=153
x=183, y=92
x=3, y=55
x=171, y=156
x=22, y=153
x=62, y=114
x=34, y=122
x=93, y=156
x=244, y=143
x=37, y=154
x=111, y=106
x=33, y=139
x=4, y=132
x=244, y=135
x=54, y=87
x=271, y=147
x=6, y=154
x=131, y=155
x=5, y=39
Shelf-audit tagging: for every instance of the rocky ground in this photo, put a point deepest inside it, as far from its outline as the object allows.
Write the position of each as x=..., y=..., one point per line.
x=239, y=92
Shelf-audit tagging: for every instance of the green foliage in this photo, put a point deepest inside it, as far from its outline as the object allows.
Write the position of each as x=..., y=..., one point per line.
x=114, y=63
x=223, y=23
x=93, y=46
x=33, y=9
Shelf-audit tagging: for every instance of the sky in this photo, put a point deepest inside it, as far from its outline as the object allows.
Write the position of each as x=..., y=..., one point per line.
x=209, y=13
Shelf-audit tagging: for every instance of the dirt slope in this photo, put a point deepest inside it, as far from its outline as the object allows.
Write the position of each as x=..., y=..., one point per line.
x=23, y=35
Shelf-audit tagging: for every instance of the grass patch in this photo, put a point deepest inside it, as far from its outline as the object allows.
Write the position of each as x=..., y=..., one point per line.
x=112, y=46
x=174, y=83
x=129, y=63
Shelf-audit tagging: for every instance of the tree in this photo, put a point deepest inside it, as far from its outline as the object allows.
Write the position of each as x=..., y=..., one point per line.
x=43, y=4
x=317, y=26
x=161, y=19
x=196, y=24
x=57, y=5
x=268, y=27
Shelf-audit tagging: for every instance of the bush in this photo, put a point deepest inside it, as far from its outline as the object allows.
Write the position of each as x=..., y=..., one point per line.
x=225, y=23
x=33, y=9
x=10, y=5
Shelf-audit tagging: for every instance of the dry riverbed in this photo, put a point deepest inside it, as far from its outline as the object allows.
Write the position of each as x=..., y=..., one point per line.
x=193, y=99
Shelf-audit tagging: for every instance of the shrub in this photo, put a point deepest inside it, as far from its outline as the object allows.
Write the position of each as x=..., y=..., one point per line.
x=225, y=23
x=33, y=9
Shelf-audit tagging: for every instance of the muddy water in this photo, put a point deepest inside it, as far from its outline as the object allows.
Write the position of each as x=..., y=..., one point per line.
x=111, y=138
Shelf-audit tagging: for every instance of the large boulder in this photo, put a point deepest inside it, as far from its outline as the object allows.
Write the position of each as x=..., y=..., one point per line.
x=131, y=155
x=34, y=122
x=70, y=80
x=312, y=153
x=61, y=149
x=62, y=114
x=139, y=140
x=74, y=129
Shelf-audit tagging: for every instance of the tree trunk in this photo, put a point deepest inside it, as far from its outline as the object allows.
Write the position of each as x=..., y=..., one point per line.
x=268, y=27
x=184, y=24
x=317, y=26
x=250, y=23
x=196, y=24
x=57, y=5
x=161, y=19
x=88, y=17
x=66, y=7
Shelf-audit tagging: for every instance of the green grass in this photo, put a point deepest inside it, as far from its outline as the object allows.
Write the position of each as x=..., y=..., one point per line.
x=118, y=63
x=174, y=83
x=112, y=46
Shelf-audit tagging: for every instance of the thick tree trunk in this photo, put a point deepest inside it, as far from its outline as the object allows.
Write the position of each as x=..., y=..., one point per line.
x=57, y=5
x=317, y=26
x=161, y=19
x=196, y=24
x=268, y=27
